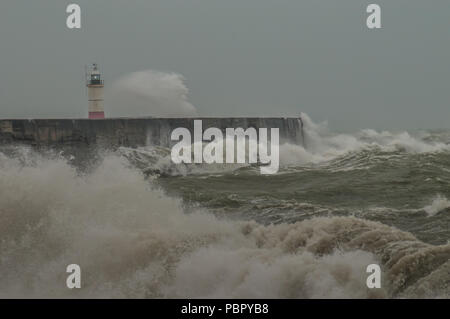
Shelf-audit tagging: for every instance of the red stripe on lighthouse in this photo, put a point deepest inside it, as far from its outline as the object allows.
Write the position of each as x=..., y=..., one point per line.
x=96, y=115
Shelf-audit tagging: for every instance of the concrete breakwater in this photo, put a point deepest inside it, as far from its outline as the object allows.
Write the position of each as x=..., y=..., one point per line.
x=129, y=132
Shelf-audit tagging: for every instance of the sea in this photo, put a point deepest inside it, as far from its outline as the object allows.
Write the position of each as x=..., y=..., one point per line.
x=140, y=226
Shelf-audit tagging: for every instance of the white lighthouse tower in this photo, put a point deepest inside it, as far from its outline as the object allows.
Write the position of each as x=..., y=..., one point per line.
x=95, y=86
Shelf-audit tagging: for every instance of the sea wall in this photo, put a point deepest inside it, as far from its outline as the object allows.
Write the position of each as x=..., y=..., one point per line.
x=129, y=132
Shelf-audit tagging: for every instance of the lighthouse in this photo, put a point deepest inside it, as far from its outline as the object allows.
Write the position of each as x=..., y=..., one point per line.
x=95, y=85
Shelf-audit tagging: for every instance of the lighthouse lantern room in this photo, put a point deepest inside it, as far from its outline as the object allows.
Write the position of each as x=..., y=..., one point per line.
x=95, y=85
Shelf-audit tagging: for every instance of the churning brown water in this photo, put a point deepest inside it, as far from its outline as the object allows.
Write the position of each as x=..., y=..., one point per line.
x=140, y=227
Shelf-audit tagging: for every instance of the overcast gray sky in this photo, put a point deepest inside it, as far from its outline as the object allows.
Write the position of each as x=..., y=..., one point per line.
x=239, y=57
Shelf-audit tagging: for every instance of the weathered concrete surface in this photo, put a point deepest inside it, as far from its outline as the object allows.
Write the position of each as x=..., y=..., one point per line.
x=129, y=132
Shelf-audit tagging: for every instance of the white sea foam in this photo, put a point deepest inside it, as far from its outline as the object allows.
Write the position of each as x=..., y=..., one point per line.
x=320, y=141
x=149, y=93
x=133, y=241
x=438, y=204
x=321, y=147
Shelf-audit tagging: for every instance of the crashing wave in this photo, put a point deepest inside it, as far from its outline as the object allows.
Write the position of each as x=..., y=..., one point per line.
x=132, y=240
